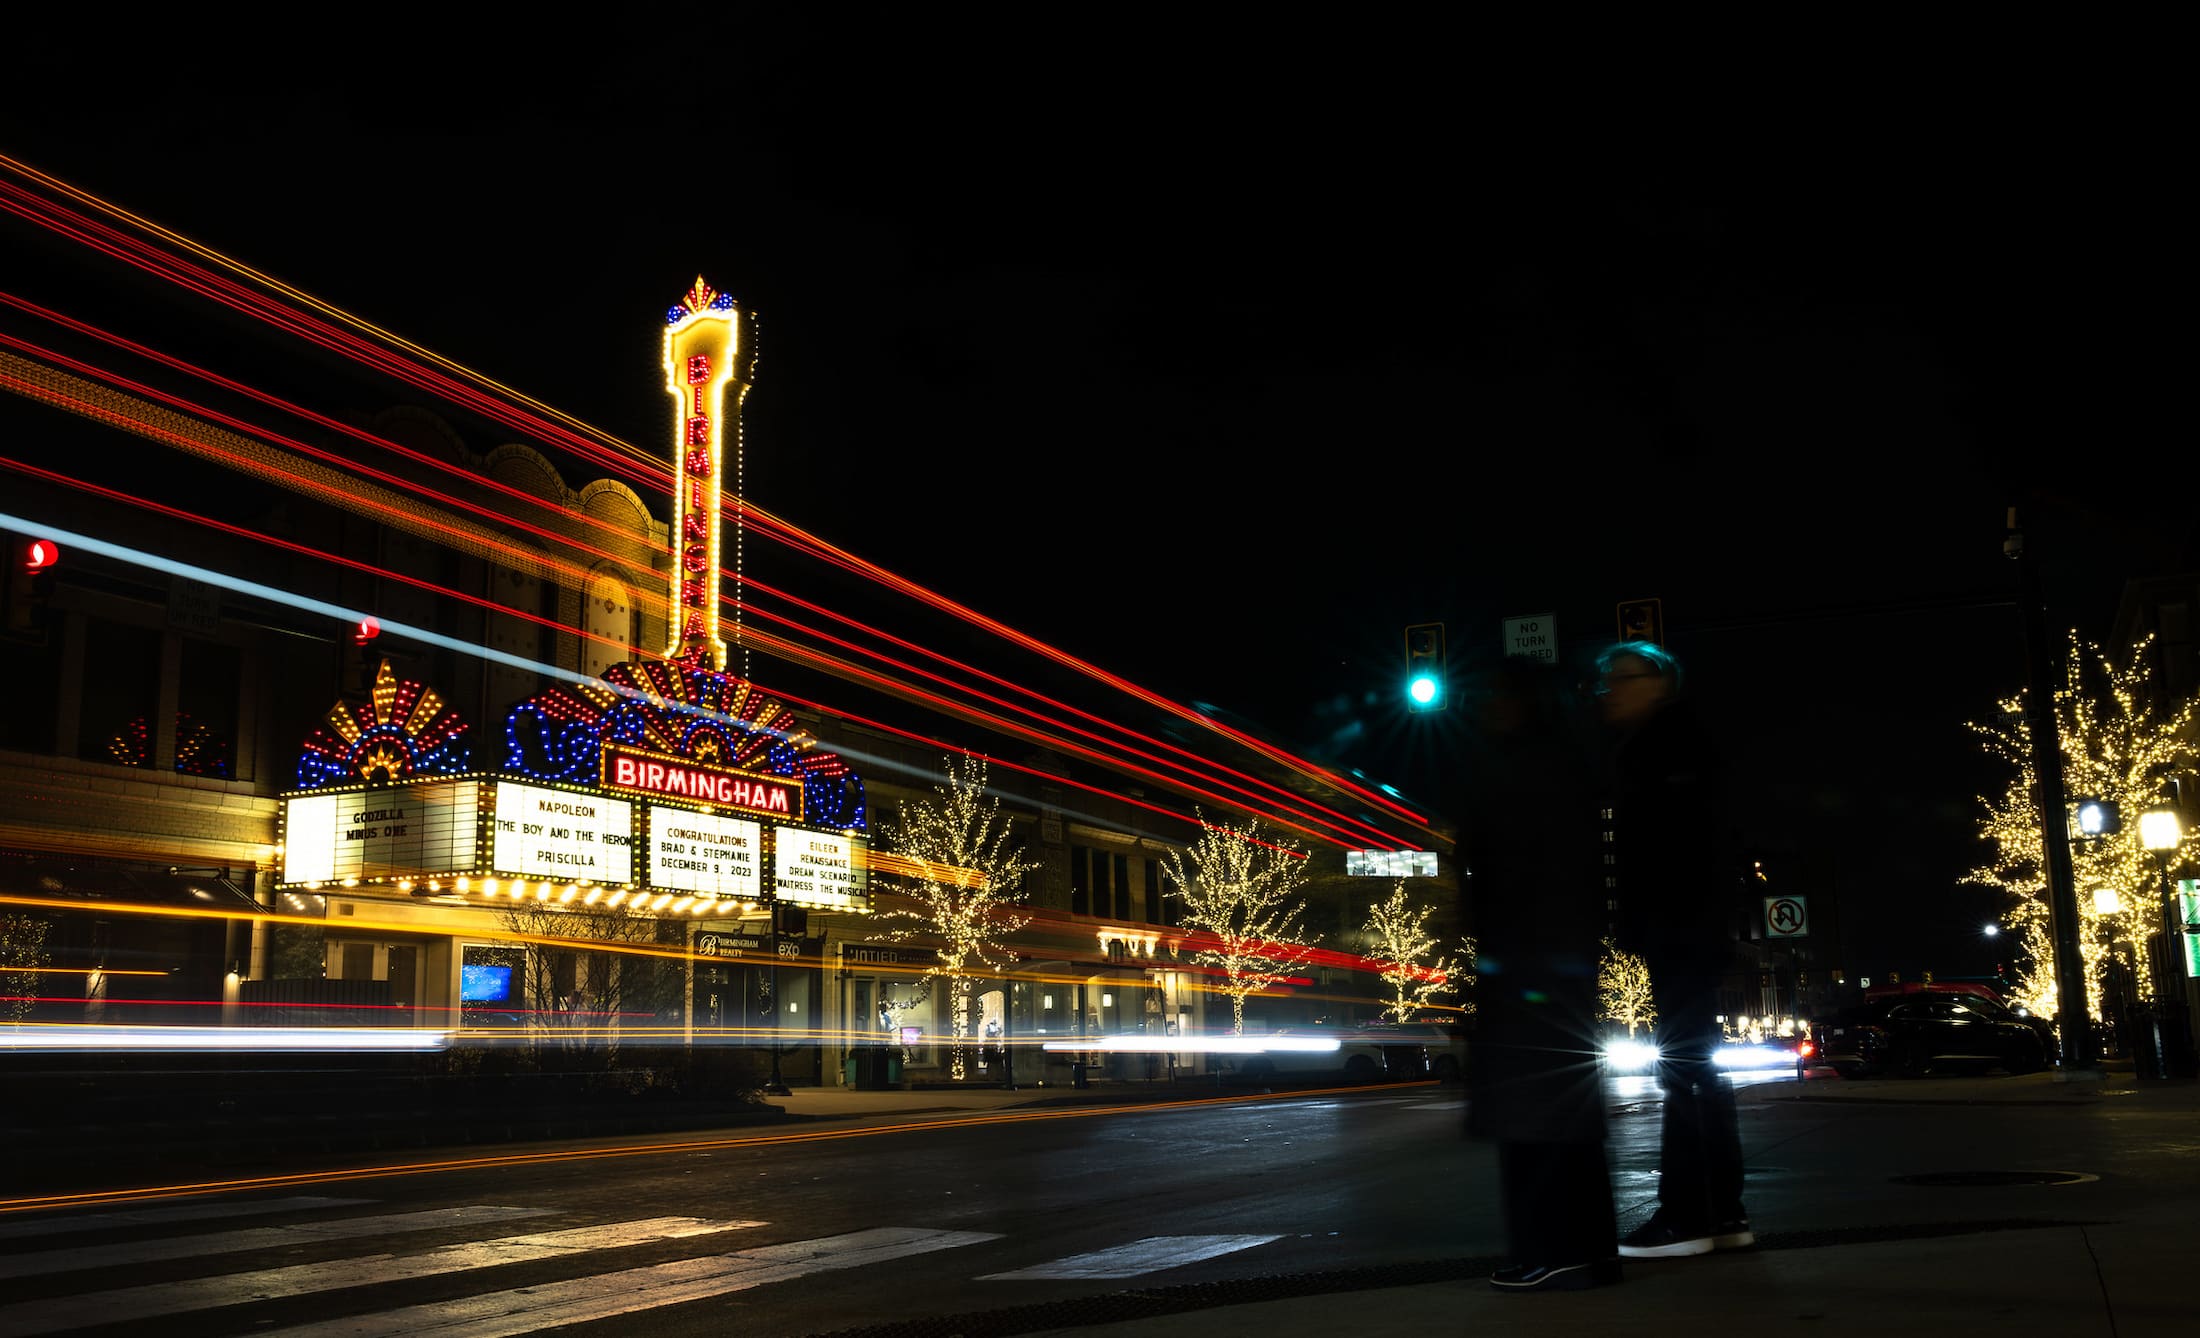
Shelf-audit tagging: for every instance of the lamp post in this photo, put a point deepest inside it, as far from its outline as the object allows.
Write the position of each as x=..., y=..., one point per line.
x=2162, y=831
x=777, y=1086
x=1008, y=1025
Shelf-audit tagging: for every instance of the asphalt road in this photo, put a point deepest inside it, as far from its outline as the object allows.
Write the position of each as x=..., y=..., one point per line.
x=870, y=1226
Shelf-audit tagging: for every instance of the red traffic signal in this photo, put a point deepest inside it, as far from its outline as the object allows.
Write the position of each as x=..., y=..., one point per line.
x=33, y=567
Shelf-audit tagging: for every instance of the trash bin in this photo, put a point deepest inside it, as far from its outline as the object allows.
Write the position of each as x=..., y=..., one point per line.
x=873, y=1068
x=2161, y=1042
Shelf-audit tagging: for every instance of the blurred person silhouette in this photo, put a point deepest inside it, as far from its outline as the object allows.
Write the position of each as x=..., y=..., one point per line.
x=1667, y=820
x=1526, y=800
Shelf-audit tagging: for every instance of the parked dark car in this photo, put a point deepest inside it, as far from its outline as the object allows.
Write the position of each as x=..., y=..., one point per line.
x=1443, y=1042
x=1911, y=1035
x=1357, y=1057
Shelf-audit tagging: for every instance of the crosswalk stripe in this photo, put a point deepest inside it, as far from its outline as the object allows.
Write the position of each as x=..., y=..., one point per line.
x=527, y=1309
x=189, y=1212
x=172, y=1298
x=252, y=1238
x=1150, y=1255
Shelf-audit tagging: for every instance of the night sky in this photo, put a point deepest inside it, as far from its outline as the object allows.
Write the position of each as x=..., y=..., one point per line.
x=1218, y=358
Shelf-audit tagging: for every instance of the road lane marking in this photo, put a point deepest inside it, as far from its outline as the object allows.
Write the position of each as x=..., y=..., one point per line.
x=255, y=1238
x=174, y=1298
x=1151, y=1255
x=527, y=1309
x=189, y=1212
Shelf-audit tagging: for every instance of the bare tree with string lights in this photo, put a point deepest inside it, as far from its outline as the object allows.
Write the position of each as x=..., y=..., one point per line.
x=970, y=881
x=1623, y=989
x=1241, y=891
x=2117, y=749
x=1399, y=940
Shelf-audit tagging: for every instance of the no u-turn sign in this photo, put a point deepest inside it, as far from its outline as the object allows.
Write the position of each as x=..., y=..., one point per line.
x=1786, y=917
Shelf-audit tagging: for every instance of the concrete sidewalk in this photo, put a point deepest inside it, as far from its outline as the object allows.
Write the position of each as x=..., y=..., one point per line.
x=2128, y=1278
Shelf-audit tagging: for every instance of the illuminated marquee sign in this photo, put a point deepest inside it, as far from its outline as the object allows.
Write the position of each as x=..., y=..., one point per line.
x=812, y=868
x=703, y=352
x=681, y=778
x=703, y=852
x=562, y=834
x=381, y=833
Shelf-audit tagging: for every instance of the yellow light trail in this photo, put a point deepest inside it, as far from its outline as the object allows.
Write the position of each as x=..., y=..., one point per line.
x=341, y=1175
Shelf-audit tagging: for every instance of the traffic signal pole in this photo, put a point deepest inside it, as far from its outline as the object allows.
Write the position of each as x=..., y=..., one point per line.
x=2080, y=1058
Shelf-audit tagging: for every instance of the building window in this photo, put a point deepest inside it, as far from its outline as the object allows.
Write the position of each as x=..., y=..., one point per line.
x=1122, y=865
x=2174, y=625
x=206, y=710
x=121, y=694
x=1080, y=885
x=1103, y=894
x=1157, y=906
x=34, y=673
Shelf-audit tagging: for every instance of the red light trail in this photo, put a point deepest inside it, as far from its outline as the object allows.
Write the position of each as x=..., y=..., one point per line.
x=604, y=450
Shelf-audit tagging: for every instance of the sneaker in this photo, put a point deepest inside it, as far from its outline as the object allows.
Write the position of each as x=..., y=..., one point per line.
x=1556, y=1277
x=1658, y=1238
x=1733, y=1234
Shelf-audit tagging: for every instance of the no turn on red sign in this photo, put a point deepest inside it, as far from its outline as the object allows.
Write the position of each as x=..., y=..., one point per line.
x=1534, y=636
x=1786, y=917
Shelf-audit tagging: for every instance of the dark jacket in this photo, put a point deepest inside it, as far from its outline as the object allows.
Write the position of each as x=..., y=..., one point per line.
x=1668, y=837
x=1527, y=807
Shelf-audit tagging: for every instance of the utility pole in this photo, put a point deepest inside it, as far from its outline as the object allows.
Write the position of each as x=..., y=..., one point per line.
x=2080, y=1061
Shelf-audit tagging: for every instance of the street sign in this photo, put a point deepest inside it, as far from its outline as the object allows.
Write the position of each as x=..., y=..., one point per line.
x=1535, y=637
x=1786, y=917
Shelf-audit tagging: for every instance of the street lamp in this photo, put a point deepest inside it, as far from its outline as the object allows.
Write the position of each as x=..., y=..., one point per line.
x=2162, y=831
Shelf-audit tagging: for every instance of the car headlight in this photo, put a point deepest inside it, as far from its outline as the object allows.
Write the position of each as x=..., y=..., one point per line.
x=1630, y=1054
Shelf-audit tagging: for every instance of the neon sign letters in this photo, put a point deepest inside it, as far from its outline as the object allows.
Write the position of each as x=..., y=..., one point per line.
x=684, y=778
x=702, y=347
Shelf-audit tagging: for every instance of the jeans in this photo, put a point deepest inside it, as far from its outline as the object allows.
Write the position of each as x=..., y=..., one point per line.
x=1700, y=1142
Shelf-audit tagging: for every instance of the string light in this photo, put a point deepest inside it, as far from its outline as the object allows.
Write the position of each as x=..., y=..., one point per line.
x=406, y=730
x=2115, y=748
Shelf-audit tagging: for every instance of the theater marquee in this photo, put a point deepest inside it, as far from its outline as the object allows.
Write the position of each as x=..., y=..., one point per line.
x=375, y=833
x=706, y=853
x=823, y=869
x=563, y=834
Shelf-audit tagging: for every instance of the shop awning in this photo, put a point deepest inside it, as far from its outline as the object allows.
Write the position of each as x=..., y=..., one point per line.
x=93, y=882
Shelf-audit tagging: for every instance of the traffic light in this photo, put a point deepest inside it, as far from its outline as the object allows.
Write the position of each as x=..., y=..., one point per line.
x=360, y=661
x=1642, y=620
x=33, y=567
x=1426, y=686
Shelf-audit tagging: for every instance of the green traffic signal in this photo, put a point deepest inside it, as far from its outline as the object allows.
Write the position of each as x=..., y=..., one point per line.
x=1425, y=667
